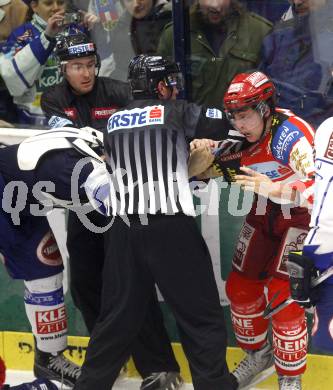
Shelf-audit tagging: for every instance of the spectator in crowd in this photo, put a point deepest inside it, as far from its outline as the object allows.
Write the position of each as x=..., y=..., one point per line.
x=271, y=10
x=137, y=32
x=107, y=12
x=225, y=40
x=84, y=99
x=282, y=176
x=12, y=14
x=297, y=56
x=28, y=65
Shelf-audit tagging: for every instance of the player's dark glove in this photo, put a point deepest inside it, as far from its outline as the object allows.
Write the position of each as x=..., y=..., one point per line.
x=37, y=384
x=301, y=272
x=227, y=165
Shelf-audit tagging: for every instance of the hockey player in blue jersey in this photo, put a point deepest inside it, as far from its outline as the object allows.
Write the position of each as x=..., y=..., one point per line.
x=28, y=179
x=318, y=247
x=38, y=384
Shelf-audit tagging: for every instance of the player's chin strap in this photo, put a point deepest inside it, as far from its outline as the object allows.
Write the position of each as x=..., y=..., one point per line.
x=84, y=140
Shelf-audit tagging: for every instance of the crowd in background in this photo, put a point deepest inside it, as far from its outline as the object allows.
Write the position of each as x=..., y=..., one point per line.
x=288, y=40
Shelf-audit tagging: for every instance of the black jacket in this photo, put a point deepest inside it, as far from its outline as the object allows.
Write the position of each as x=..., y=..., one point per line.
x=92, y=109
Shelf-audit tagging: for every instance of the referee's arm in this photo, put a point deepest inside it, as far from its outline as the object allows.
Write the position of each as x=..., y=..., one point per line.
x=205, y=122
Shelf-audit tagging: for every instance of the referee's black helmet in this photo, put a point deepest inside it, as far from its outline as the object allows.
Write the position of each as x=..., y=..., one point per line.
x=145, y=72
x=75, y=45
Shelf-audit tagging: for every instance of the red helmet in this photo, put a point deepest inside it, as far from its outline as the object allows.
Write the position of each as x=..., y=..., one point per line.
x=248, y=90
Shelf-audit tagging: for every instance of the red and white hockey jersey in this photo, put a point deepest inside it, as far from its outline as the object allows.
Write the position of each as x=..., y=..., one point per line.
x=284, y=153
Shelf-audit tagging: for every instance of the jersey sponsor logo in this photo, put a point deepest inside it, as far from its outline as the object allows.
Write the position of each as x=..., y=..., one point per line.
x=25, y=36
x=83, y=48
x=243, y=243
x=51, y=298
x=214, y=113
x=103, y=112
x=71, y=112
x=285, y=138
x=138, y=117
x=51, y=321
x=293, y=241
x=48, y=252
x=273, y=169
x=50, y=76
x=329, y=150
x=303, y=162
x=257, y=79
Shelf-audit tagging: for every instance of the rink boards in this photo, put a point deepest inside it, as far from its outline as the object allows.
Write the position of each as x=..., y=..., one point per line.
x=17, y=349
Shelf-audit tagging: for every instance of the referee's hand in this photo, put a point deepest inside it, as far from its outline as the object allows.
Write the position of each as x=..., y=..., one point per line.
x=201, y=158
x=201, y=142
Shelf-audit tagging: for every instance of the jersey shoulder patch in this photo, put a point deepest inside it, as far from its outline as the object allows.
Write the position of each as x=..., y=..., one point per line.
x=214, y=113
x=285, y=137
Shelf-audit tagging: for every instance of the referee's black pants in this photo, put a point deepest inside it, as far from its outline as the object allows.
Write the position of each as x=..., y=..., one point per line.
x=170, y=251
x=152, y=350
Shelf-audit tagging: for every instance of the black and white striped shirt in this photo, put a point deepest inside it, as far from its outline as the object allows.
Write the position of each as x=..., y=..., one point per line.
x=147, y=147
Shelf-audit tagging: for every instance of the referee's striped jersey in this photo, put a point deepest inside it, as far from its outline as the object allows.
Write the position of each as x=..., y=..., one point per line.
x=147, y=148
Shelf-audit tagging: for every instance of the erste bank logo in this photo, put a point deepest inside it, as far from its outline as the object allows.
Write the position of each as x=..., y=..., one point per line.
x=137, y=117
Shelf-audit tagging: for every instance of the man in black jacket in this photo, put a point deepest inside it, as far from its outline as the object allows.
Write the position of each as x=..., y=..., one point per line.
x=84, y=99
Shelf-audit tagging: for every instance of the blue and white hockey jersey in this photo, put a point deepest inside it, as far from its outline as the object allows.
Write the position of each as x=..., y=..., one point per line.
x=318, y=244
x=29, y=67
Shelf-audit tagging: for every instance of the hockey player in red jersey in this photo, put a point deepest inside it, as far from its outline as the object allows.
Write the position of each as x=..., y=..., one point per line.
x=271, y=156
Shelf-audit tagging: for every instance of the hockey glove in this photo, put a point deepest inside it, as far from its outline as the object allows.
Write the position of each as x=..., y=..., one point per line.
x=227, y=165
x=37, y=384
x=2, y=372
x=301, y=272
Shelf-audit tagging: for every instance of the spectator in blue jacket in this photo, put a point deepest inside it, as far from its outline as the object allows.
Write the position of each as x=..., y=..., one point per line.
x=298, y=56
x=271, y=10
x=28, y=65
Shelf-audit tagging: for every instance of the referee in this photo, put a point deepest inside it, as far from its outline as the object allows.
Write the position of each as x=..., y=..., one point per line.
x=154, y=237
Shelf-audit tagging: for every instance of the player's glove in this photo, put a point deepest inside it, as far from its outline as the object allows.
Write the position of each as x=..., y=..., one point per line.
x=37, y=384
x=301, y=272
x=199, y=161
x=2, y=372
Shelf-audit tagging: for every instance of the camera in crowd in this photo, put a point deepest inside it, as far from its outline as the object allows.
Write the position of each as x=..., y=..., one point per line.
x=72, y=18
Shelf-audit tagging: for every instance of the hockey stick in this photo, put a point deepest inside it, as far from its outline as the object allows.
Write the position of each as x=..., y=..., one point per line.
x=269, y=311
